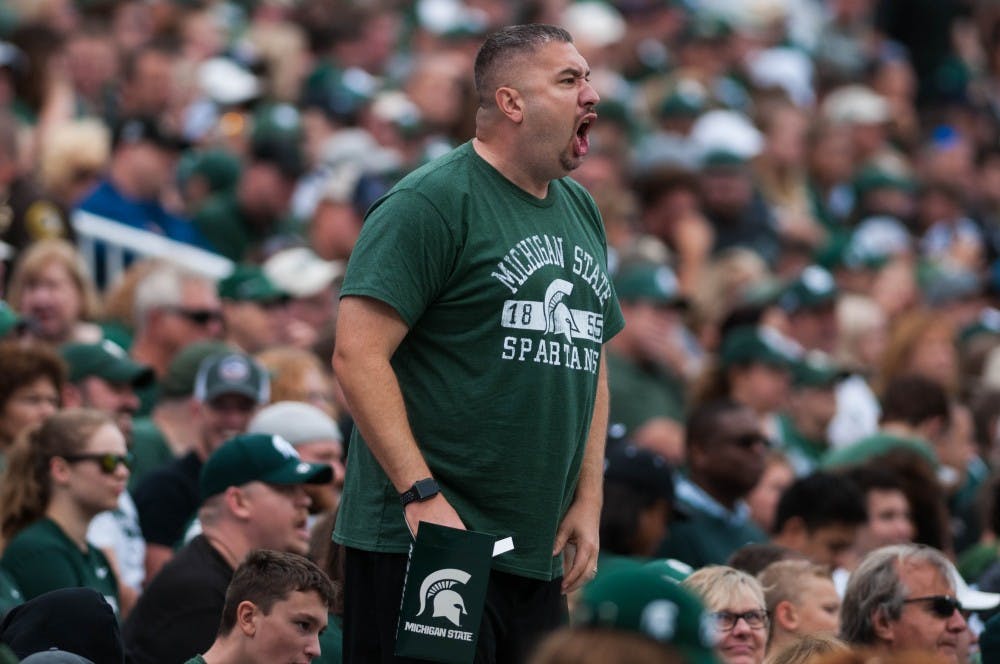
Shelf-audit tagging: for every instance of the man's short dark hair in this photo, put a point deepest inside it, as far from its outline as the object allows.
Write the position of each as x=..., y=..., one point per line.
x=914, y=400
x=267, y=577
x=874, y=477
x=500, y=47
x=821, y=499
x=703, y=423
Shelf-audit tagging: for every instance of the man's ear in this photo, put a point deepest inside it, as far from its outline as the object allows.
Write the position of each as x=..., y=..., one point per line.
x=237, y=503
x=786, y=616
x=510, y=103
x=884, y=628
x=246, y=614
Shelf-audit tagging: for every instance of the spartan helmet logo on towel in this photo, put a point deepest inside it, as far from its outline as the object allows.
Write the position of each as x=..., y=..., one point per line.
x=558, y=317
x=438, y=587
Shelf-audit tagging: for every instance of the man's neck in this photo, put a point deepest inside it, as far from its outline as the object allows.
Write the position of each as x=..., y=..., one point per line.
x=228, y=542
x=718, y=494
x=147, y=351
x=227, y=650
x=512, y=169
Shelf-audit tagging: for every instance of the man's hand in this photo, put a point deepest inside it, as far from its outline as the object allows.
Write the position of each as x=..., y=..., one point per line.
x=436, y=510
x=579, y=536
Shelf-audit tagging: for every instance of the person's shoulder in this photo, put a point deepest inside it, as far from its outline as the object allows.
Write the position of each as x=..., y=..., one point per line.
x=41, y=534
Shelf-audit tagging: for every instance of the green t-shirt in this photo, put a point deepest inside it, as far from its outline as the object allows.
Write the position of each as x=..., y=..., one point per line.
x=150, y=448
x=640, y=394
x=198, y=659
x=874, y=446
x=42, y=558
x=508, y=303
x=10, y=594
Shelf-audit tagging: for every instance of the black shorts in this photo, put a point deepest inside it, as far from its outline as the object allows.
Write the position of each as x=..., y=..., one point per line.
x=519, y=611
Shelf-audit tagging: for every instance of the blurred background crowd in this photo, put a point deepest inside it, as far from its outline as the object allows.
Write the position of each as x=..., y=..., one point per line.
x=802, y=205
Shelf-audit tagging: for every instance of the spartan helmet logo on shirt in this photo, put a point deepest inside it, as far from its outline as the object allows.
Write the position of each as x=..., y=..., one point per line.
x=558, y=317
x=438, y=588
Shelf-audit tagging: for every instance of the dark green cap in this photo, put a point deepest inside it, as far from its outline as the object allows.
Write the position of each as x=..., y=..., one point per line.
x=9, y=320
x=871, y=178
x=106, y=360
x=258, y=457
x=816, y=369
x=648, y=282
x=814, y=288
x=220, y=168
x=178, y=381
x=670, y=569
x=248, y=283
x=747, y=344
x=640, y=599
x=722, y=159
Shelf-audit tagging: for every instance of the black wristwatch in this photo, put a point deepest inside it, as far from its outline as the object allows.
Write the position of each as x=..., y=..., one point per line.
x=421, y=490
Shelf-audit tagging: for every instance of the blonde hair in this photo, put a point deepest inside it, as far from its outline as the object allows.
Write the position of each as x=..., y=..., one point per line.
x=906, y=336
x=717, y=585
x=71, y=147
x=26, y=486
x=40, y=255
x=288, y=366
x=857, y=315
x=807, y=649
x=783, y=580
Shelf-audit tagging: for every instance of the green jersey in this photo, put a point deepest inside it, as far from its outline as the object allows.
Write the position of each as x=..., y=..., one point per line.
x=42, y=557
x=508, y=304
x=149, y=448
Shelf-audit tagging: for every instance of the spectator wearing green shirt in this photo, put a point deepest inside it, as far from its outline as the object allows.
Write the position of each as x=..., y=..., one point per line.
x=60, y=476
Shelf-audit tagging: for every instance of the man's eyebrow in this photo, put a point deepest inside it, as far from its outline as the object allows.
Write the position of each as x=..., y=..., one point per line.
x=576, y=72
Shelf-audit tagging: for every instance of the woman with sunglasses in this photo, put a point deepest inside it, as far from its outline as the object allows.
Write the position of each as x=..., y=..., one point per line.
x=735, y=601
x=59, y=476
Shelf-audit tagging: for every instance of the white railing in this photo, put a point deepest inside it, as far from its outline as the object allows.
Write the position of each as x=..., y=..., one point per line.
x=118, y=240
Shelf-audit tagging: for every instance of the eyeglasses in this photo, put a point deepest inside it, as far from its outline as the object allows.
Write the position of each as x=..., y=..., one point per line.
x=198, y=316
x=942, y=606
x=726, y=620
x=108, y=463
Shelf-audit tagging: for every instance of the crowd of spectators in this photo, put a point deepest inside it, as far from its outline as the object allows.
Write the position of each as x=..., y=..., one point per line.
x=802, y=207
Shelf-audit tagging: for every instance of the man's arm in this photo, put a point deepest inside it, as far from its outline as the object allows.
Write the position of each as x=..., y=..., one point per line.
x=368, y=333
x=579, y=531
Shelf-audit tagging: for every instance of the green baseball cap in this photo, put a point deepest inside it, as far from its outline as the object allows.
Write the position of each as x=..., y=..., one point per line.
x=746, y=344
x=639, y=599
x=106, y=360
x=220, y=168
x=814, y=288
x=258, y=457
x=231, y=373
x=670, y=569
x=649, y=282
x=249, y=283
x=816, y=369
x=178, y=381
x=870, y=178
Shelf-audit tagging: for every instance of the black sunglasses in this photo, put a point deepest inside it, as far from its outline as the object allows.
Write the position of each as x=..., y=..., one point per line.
x=108, y=463
x=198, y=316
x=942, y=606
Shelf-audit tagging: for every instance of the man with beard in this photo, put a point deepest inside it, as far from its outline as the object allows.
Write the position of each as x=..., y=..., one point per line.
x=496, y=277
x=725, y=454
x=103, y=377
x=253, y=497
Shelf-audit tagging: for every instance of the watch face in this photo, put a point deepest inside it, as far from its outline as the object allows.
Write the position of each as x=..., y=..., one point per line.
x=425, y=488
